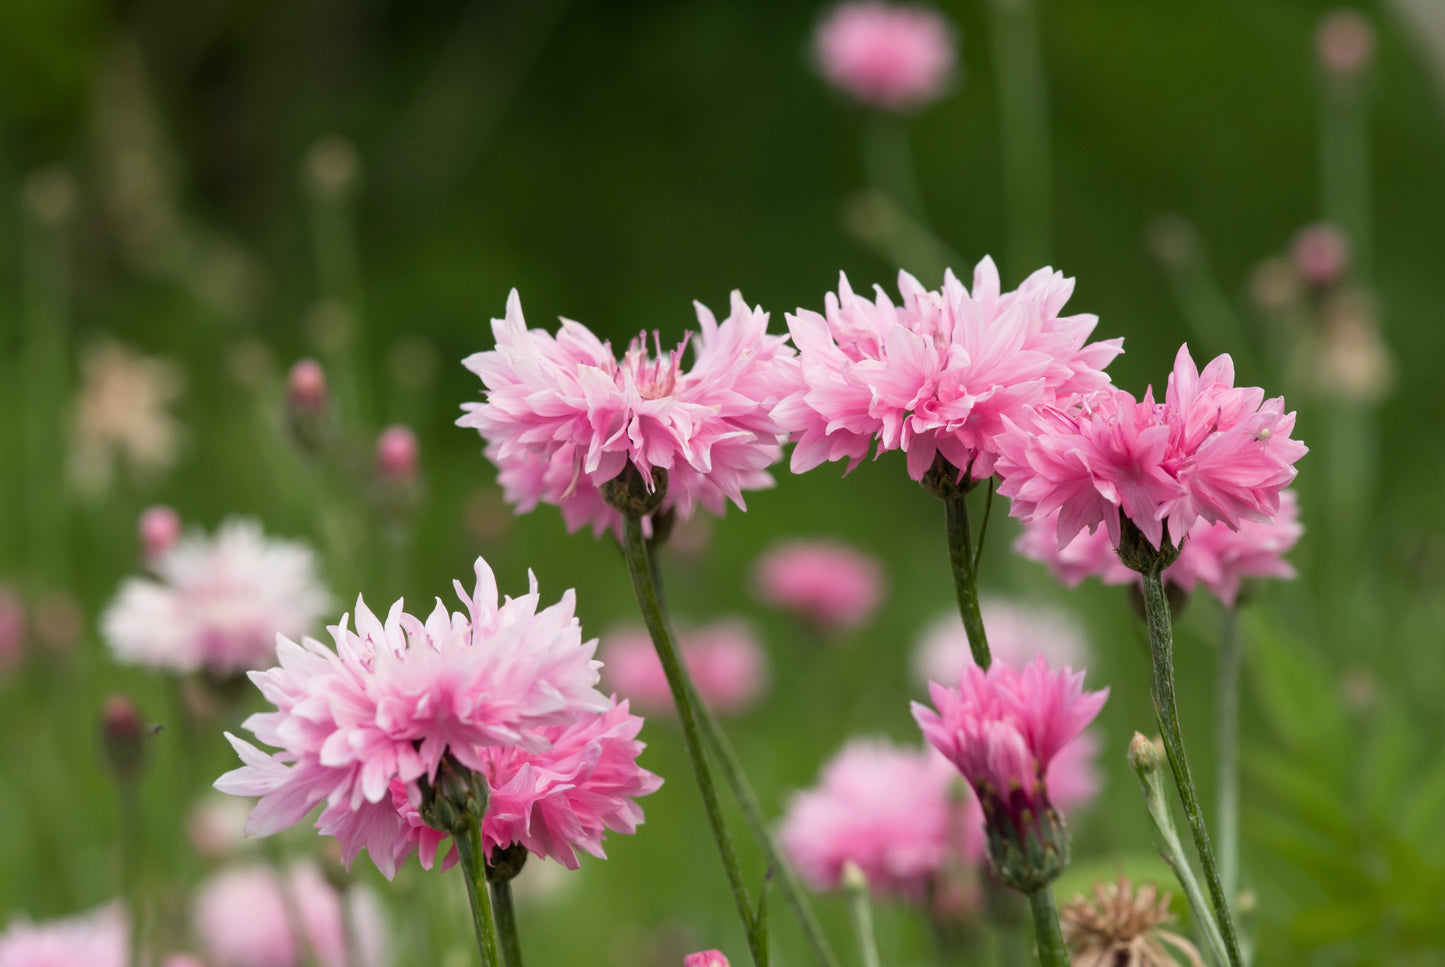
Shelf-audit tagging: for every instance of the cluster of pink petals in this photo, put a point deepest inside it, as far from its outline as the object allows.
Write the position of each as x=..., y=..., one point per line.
x=705, y=958
x=828, y=584
x=394, y=697
x=1211, y=451
x=1215, y=556
x=1018, y=632
x=100, y=938
x=940, y=375
x=1004, y=727
x=726, y=662
x=256, y=917
x=216, y=604
x=551, y=802
x=891, y=57
x=563, y=415
x=888, y=809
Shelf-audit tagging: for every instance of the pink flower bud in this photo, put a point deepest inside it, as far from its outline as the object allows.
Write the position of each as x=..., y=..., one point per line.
x=1321, y=254
x=122, y=737
x=1345, y=43
x=306, y=386
x=396, y=454
x=159, y=529
x=705, y=958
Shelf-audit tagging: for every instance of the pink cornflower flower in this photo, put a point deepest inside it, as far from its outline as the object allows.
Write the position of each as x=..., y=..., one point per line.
x=887, y=809
x=1018, y=631
x=217, y=604
x=256, y=917
x=100, y=938
x=892, y=57
x=553, y=802
x=1211, y=451
x=563, y=416
x=705, y=958
x=1088, y=554
x=1002, y=729
x=830, y=585
x=394, y=698
x=724, y=659
x=939, y=375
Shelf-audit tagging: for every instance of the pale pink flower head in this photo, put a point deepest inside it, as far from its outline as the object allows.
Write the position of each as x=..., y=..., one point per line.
x=1211, y=451
x=1089, y=554
x=892, y=57
x=725, y=660
x=886, y=808
x=563, y=416
x=705, y=958
x=553, y=802
x=395, y=697
x=253, y=916
x=159, y=529
x=1220, y=558
x=122, y=413
x=1018, y=631
x=938, y=376
x=830, y=585
x=215, y=826
x=100, y=938
x=1002, y=729
x=217, y=603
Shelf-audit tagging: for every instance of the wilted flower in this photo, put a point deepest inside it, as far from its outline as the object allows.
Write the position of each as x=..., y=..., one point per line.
x=829, y=584
x=724, y=660
x=938, y=376
x=891, y=57
x=396, y=698
x=563, y=416
x=256, y=917
x=1210, y=451
x=122, y=412
x=217, y=604
x=100, y=938
x=1121, y=927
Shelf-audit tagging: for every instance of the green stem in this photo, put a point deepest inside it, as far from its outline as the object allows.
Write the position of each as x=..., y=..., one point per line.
x=639, y=568
x=983, y=528
x=1023, y=130
x=1226, y=697
x=1161, y=646
x=861, y=910
x=474, y=870
x=1345, y=165
x=1047, y=935
x=890, y=162
x=506, y=922
x=132, y=848
x=965, y=577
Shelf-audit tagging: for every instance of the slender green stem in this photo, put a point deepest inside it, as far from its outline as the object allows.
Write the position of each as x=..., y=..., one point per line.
x=506, y=915
x=1226, y=697
x=983, y=528
x=1023, y=130
x=474, y=870
x=639, y=568
x=1161, y=646
x=1152, y=785
x=1047, y=935
x=890, y=161
x=965, y=577
x=860, y=907
x=1345, y=165
x=132, y=849
x=742, y=790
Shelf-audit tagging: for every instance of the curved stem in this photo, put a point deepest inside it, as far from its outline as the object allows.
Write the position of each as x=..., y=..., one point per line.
x=1226, y=697
x=1047, y=935
x=474, y=870
x=639, y=568
x=506, y=915
x=1161, y=647
x=965, y=577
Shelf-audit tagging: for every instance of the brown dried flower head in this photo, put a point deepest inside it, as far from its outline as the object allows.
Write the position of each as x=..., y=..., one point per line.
x=1121, y=927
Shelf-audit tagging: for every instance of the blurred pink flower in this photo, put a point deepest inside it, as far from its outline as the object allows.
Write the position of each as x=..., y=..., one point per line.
x=396, y=454
x=886, y=808
x=183, y=960
x=395, y=697
x=829, y=584
x=1089, y=554
x=306, y=386
x=725, y=660
x=216, y=825
x=159, y=528
x=1018, y=632
x=937, y=376
x=890, y=57
x=121, y=412
x=12, y=627
x=251, y=916
x=705, y=958
x=563, y=416
x=1210, y=451
x=552, y=802
x=100, y=938
x=1002, y=729
x=218, y=603
x=1345, y=42
x=1320, y=254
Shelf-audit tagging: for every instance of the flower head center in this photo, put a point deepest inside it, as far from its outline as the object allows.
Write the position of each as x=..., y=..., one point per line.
x=654, y=375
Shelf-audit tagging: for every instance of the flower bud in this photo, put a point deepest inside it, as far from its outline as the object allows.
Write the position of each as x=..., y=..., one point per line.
x=159, y=528
x=455, y=798
x=1145, y=756
x=396, y=454
x=1030, y=848
x=1320, y=254
x=307, y=405
x=506, y=862
x=705, y=958
x=122, y=738
x=1345, y=43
